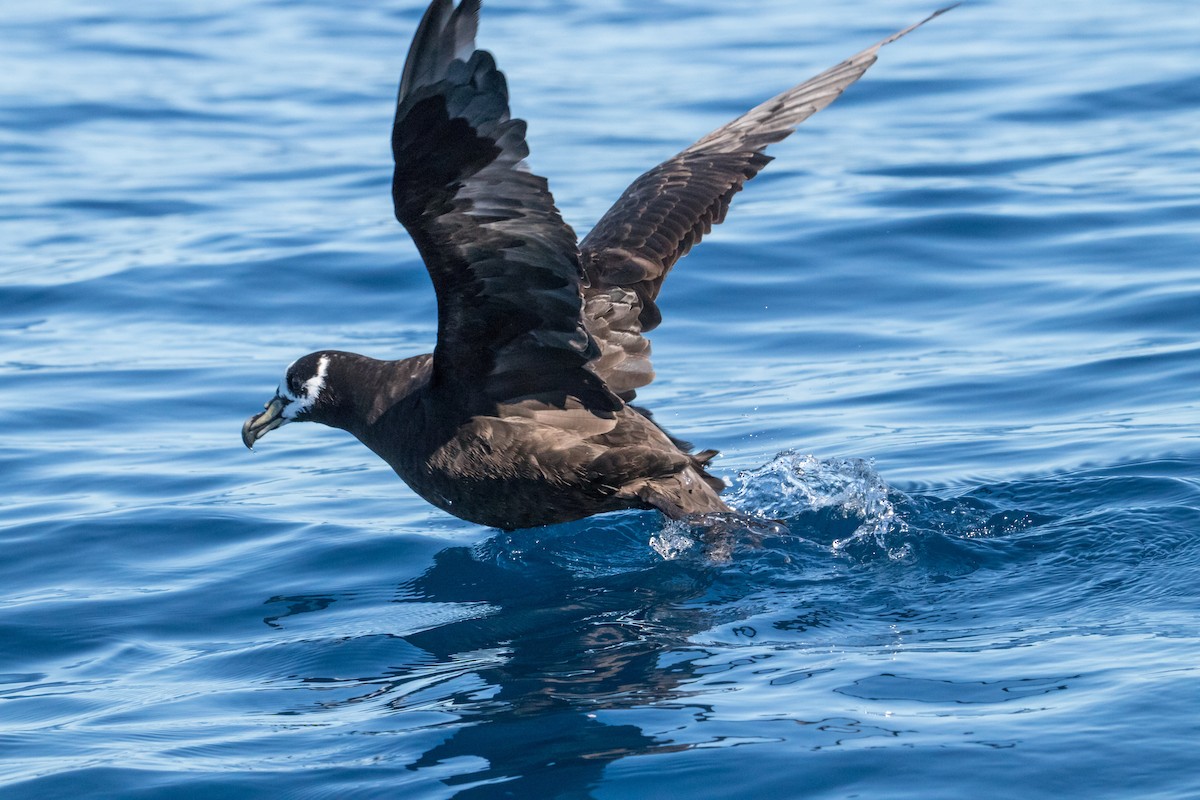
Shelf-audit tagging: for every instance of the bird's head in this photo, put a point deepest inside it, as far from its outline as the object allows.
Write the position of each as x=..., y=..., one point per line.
x=304, y=395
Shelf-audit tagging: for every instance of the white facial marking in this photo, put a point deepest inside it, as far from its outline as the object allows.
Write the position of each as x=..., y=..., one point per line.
x=310, y=391
x=284, y=390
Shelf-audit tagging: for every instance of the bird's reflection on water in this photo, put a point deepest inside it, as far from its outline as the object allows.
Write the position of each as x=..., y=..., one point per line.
x=562, y=626
x=573, y=648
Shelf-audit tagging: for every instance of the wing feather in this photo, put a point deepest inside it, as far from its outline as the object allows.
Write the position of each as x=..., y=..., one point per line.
x=504, y=264
x=668, y=209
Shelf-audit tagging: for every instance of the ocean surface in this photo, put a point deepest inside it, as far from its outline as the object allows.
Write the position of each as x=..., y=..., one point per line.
x=950, y=340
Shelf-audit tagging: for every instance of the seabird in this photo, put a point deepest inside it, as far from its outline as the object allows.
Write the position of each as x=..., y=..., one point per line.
x=523, y=415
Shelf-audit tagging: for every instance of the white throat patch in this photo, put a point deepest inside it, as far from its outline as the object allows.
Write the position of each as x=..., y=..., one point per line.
x=310, y=391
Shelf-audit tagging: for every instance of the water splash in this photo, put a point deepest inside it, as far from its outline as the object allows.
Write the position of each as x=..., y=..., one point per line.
x=825, y=495
x=673, y=541
x=715, y=537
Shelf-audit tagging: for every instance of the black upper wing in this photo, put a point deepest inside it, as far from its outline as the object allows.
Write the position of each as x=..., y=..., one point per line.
x=669, y=208
x=504, y=264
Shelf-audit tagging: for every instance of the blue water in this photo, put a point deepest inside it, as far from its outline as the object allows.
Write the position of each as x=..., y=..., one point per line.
x=949, y=338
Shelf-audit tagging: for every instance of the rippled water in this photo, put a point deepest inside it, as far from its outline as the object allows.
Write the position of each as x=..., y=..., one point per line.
x=947, y=342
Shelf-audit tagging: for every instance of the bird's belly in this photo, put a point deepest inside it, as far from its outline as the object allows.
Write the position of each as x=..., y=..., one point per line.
x=512, y=504
x=504, y=475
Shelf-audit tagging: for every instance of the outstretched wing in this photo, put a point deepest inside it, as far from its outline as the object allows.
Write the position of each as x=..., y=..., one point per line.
x=668, y=209
x=504, y=264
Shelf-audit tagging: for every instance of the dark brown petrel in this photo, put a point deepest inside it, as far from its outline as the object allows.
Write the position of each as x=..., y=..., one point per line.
x=523, y=414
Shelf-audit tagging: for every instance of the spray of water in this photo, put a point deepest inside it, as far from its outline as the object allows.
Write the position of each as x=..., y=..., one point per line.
x=791, y=486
